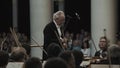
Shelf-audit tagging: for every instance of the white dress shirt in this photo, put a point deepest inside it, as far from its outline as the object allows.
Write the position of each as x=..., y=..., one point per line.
x=58, y=29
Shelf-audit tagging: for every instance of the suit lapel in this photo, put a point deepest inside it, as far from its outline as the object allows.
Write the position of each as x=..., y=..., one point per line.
x=54, y=28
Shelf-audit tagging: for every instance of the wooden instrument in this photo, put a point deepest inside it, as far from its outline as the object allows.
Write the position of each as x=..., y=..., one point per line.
x=15, y=37
x=19, y=47
x=59, y=40
x=40, y=46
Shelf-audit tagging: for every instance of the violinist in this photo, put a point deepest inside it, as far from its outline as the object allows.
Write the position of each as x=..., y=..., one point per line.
x=102, y=53
x=113, y=56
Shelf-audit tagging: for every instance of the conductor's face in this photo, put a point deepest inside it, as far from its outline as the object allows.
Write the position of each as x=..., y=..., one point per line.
x=60, y=20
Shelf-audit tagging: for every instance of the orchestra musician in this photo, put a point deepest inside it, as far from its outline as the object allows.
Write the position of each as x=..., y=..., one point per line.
x=113, y=57
x=101, y=54
x=53, y=32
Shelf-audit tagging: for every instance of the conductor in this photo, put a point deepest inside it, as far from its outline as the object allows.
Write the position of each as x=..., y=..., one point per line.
x=53, y=32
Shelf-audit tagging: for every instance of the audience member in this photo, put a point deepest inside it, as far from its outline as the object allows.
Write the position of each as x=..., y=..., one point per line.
x=33, y=62
x=82, y=34
x=68, y=36
x=78, y=55
x=68, y=57
x=53, y=50
x=55, y=63
x=85, y=48
x=18, y=55
x=114, y=54
x=4, y=57
x=27, y=47
x=76, y=45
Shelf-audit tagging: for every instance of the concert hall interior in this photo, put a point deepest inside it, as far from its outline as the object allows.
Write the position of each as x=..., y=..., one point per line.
x=22, y=23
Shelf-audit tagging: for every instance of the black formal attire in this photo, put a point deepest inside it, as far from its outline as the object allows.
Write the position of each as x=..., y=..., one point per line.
x=50, y=35
x=101, y=53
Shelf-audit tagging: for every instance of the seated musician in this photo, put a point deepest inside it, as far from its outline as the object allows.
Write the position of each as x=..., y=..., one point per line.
x=113, y=55
x=102, y=53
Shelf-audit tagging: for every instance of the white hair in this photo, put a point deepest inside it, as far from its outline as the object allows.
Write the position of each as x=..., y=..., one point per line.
x=58, y=14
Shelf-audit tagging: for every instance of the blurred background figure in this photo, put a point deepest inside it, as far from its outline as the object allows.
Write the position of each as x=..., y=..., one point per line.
x=55, y=63
x=86, y=48
x=78, y=55
x=4, y=58
x=53, y=50
x=68, y=57
x=33, y=62
x=103, y=44
x=76, y=45
x=114, y=51
x=18, y=55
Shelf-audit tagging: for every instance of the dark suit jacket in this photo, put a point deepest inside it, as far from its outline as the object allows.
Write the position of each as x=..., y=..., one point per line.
x=50, y=36
x=103, y=54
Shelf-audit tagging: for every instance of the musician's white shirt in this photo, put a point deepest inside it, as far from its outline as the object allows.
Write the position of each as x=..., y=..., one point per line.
x=58, y=29
x=86, y=52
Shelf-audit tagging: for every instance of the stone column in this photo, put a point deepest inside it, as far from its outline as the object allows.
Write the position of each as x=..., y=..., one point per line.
x=103, y=20
x=14, y=13
x=40, y=15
